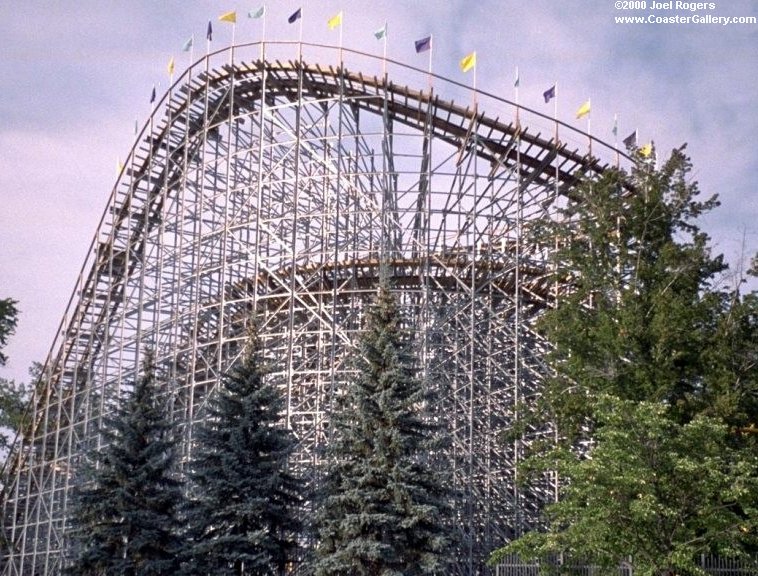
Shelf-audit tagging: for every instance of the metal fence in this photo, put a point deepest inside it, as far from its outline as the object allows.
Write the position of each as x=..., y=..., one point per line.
x=712, y=565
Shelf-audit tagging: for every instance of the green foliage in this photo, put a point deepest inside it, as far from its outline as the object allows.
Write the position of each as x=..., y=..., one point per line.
x=124, y=509
x=14, y=397
x=730, y=353
x=654, y=390
x=641, y=309
x=655, y=489
x=383, y=508
x=14, y=400
x=8, y=321
x=244, y=516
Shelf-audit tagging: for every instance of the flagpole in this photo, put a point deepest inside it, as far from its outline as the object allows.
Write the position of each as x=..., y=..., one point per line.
x=589, y=125
x=384, y=52
x=300, y=39
x=189, y=46
x=426, y=44
x=263, y=33
x=518, y=109
x=475, y=98
x=555, y=114
x=300, y=28
x=342, y=17
x=297, y=15
x=431, y=50
x=234, y=29
x=260, y=14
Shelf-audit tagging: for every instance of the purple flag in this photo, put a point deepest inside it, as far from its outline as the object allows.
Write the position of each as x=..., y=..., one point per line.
x=549, y=94
x=424, y=45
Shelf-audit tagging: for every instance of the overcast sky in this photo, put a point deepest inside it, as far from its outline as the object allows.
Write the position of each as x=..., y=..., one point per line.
x=76, y=74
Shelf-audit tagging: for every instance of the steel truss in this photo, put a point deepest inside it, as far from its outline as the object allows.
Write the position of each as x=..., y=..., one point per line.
x=279, y=188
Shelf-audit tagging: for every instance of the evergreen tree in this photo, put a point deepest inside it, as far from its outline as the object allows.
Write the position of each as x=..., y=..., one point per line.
x=654, y=361
x=383, y=508
x=13, y=399
x=124, y=509
x=244, y=518
x=13, y=396
x=14, y=408
x=8, y=322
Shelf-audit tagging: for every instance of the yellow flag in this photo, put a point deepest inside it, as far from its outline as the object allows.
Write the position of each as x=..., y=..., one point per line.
x=647, y=149
x=468, y=62
x=229, y=17
x=170, y=67
x=584, y=109
x=335, y=21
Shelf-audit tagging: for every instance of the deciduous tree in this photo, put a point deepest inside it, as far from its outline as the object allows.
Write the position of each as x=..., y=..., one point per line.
x=654, y=389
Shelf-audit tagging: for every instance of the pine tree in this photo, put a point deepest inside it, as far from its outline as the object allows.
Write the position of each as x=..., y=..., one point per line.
x=654, y=361
x=124, y=518
x=13, y=396
x=382, y=508
x=13, y=400
x=8, y=321
x=244, y=517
